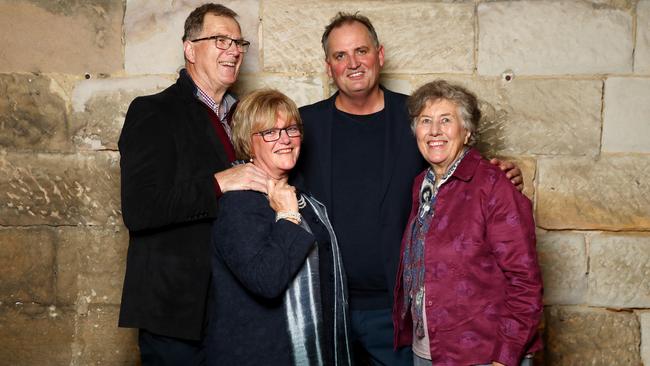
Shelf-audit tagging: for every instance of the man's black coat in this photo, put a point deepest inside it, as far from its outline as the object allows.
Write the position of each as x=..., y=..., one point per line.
x=169, y=154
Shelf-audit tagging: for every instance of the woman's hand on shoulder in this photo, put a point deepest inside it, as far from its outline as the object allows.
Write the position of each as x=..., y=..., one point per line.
x=282, y=196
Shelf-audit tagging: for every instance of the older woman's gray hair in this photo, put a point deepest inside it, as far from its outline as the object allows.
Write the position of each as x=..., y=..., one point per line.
x=442, y=90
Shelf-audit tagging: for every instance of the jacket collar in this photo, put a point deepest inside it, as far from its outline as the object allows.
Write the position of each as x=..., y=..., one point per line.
x=467, y=167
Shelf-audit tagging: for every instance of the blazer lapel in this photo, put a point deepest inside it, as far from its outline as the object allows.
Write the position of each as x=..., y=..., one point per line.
x=394, y=136
x=325, y=152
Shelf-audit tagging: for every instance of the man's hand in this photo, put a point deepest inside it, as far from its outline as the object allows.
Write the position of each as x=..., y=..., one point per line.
x=242, y=177
x=512, y=172
x=494, y=363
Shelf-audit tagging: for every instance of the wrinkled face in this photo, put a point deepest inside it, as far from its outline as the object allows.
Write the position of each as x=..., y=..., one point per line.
x=353, y=61
x=440, y=134
x=212, y=68
x=276, y=158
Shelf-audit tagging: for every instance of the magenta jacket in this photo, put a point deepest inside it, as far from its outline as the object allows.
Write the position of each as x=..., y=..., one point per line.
x=483, y=287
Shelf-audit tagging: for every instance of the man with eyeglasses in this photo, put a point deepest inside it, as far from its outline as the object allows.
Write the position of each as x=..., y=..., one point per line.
x=359, y=158
x=176, y=159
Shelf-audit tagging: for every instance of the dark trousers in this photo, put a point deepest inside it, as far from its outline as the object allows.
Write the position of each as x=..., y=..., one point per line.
x=158, y=350
x=372, y=336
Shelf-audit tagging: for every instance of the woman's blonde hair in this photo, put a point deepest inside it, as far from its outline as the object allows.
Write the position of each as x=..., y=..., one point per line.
x=258, y=111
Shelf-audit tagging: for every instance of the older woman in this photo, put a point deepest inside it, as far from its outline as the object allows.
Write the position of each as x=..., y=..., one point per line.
x=278, y=282
x=469, y=290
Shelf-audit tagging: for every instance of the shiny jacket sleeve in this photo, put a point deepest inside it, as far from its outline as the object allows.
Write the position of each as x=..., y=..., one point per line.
x=511, y=234
x=264, y=255
x=154, y=193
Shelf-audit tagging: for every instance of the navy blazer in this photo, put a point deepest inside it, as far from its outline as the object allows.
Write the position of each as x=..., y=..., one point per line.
x=402, y=163
x=169, y=154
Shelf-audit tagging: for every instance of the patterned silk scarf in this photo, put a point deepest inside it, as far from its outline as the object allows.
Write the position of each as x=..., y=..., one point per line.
x=303, y=303
x=414, y=255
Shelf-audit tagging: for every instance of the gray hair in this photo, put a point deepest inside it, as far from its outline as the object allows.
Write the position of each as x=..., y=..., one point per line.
x=442, y=90
x=194, y=21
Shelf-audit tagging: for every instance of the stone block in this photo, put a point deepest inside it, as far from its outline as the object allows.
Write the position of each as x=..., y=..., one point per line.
x=85, y=36
x=535, y=116
x=99, y=108
x=101, y=342
x=563, y=260
x=27, y=265
x=541, y=117
x=287, y=34
x=585, y=336
x=59, y=189
x=644, y=319
x=553, y=38
x=626, y=116
x=396, y=84
x=155, y=32
x=301, y=89
x=90, y=265
x=36, y=335
x=609, y=193
x=642, y=50
x=32, y=113
x=619, y=275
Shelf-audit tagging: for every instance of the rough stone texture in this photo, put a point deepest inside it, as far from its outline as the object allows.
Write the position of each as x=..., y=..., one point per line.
x=35, y=335
x=62, y=242
x=301, y=89
x=59, y=189
x=584, y=336
x=610, y=193
x=27, y=265
x=644, y=319
x=626, y=117
x=642, y=50
x=524, y=116
x=153, y=34
x=563, y=259
x=90, y=265
x=100, y=342
x=33, y=113
x=88, y=36
x=619, y=274
x=553, y=38
x=549, y=117
x=396, y=84
x=99, y=108
x=298, y=32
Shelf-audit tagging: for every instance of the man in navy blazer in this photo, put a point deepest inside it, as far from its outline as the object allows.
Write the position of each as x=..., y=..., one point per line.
x=359, y=157
x=176, y=162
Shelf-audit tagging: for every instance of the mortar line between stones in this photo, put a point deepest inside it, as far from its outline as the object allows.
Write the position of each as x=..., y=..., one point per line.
x=635, y=16
x=602, y=114
x=476, y=30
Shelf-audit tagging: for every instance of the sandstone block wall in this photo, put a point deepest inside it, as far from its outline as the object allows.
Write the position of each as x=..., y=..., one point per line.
x=564, y=86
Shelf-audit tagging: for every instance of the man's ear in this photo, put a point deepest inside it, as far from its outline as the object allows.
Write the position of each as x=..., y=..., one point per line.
x=380, y=54
x=188, y=50
x=328, y=69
